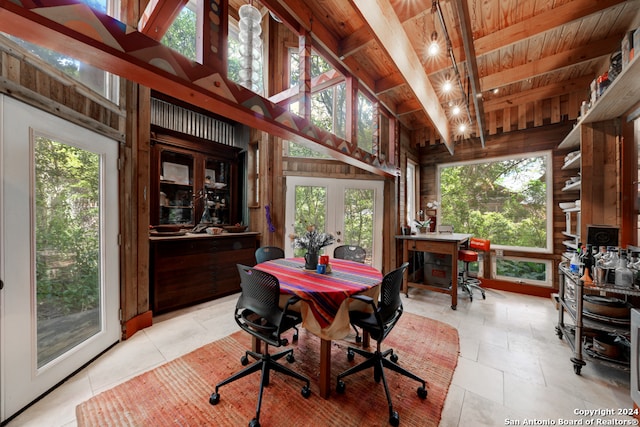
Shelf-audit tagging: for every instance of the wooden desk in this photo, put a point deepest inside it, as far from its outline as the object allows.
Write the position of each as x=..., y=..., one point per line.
x=437, y=243
x=325, y=301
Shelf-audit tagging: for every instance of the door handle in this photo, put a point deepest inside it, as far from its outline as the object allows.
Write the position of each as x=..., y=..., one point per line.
x=1, y=284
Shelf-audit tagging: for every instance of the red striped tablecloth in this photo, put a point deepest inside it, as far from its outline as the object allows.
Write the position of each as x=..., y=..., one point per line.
x=324, y=293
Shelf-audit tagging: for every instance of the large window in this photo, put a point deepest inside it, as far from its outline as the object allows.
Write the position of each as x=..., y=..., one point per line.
x=508, y=201
x=182, y=34
x=366, y=122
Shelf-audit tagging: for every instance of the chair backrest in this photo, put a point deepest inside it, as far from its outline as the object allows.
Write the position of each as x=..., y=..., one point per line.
x=267, y=253
x=260, y=293
x=390, y=305
x=480, y=244
x=351, y=253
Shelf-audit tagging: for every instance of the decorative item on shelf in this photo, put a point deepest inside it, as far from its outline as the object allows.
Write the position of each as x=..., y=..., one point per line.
x=313, y=241
x=423, y=226
x=432, y=213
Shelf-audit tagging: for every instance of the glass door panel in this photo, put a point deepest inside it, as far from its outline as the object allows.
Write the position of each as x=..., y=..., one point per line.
x=359, y=208
x=67, y=237
x=217, y=200
x=351, y=210
x=310, y=210
x=176, y=188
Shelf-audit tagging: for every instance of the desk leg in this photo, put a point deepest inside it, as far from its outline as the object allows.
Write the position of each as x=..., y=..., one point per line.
x=454, y=278
x=325, y=368
x=405, y=258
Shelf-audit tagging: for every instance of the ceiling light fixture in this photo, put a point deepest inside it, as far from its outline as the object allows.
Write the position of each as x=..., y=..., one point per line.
x=434, y=47
x=435, y=8
x=447, y=86
x=455, y=110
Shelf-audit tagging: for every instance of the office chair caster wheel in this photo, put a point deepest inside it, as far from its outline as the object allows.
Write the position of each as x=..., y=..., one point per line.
x=290, y=358
x=254, y=423
x=422, y=392
x=484, y=296
x=340, y=387
x=244, y=360
x=214, y=399
x=394, y=358
x=350, y=355
x=394, y=419
x=295, y=337
x=306, y=392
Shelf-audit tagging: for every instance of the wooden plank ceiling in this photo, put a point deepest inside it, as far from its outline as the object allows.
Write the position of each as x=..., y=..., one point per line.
x=523, y=52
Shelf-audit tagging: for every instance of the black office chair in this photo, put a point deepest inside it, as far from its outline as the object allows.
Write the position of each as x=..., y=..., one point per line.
x=378, y=324
x=350, y=252
x=267, y=253
x=258, y=313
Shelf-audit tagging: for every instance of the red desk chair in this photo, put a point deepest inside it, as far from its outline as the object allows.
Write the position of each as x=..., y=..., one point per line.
x=469, y=255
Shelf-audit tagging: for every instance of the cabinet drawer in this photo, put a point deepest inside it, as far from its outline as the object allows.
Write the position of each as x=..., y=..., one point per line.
x=431, y=246
x=171, y=248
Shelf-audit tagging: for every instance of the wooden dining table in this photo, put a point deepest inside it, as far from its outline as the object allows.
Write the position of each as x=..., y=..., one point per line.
x=325, y=300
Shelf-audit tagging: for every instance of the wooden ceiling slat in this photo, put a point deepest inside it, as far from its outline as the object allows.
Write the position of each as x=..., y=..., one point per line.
x=550, y=63
x=545, y=21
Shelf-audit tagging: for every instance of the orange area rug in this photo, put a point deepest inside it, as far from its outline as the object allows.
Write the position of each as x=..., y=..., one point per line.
x=177, y=393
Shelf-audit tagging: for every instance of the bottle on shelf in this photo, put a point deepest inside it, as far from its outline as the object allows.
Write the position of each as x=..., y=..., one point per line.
x=574, y=263
x=623, y=274
x=587, y=261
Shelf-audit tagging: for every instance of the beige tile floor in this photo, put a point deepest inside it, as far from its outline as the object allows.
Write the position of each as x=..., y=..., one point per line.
x=512, y=369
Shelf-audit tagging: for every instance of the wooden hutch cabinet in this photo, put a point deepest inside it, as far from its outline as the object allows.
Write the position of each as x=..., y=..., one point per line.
x=193, y=182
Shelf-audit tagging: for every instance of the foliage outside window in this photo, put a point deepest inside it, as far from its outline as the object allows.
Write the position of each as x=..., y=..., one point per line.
x=358, y=218
x=182, y=34
x=67, y=233
x=505, y=200
x=328, y=107
x=310, y=210
x=366, y=123
x=524, y=270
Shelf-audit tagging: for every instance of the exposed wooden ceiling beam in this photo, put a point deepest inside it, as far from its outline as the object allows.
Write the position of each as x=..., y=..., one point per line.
x=384, y=23
x=472, y=66
x=540, y=23
x=158, y=17
x=184, y=84
x=554, y=62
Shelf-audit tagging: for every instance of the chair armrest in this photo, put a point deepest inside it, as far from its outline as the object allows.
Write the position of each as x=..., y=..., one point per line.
x=294, y=299
x=366, y=299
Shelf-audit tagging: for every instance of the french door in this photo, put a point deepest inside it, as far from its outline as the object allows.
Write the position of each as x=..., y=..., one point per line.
x=351, y=210
x=58, y=251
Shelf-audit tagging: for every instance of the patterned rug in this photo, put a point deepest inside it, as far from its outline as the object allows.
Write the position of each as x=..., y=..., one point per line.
x=177, y=393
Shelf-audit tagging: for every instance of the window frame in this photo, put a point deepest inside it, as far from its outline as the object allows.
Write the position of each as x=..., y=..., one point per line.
x=549, y=195
x=549, y=270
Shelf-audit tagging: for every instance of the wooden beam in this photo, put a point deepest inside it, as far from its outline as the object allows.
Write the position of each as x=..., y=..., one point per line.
x=540, y=23
x=158, y=17
x=472, y=66
x=553, y=62
x=112, y=46
x=384, y=23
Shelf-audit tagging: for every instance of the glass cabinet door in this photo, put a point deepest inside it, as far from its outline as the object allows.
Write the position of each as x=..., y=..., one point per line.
x=217, y=188
x=176, y=188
